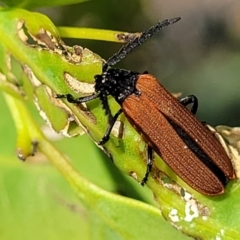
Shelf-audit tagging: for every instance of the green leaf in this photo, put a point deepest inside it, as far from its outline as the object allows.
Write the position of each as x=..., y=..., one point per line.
x=121, y=217
x=33, y=197
x=34, y=42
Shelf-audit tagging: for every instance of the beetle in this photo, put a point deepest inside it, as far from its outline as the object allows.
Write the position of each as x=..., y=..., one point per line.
x=168, y=127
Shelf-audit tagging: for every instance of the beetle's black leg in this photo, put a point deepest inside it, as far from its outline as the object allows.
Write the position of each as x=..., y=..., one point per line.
x=71, y=99
x=106, y=107
x=149, y=165
x=190, y=99
x=109, y=128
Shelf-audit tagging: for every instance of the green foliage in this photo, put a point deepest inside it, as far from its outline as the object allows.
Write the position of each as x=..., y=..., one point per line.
x=35, y=65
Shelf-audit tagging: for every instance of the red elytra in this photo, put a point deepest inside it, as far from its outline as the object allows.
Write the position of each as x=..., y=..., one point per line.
x=148, y=113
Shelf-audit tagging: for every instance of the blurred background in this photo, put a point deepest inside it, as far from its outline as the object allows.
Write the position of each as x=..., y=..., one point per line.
x=199, y=55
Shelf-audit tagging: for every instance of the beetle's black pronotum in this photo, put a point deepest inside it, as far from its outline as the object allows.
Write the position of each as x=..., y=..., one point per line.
x=167, y=126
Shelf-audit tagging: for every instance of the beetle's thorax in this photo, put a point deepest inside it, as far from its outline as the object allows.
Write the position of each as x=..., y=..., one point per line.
x=118, y=83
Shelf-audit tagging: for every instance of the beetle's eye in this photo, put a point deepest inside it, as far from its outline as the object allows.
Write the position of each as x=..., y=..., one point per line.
x=97, y=76
x=98, y=79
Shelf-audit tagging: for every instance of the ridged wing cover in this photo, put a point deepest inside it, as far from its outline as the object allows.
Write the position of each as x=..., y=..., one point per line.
x=148, y=111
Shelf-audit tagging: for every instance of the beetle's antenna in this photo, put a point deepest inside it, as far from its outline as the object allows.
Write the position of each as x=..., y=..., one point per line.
x=130, y=46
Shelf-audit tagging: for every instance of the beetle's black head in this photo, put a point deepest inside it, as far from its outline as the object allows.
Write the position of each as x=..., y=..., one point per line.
x=118, y=83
